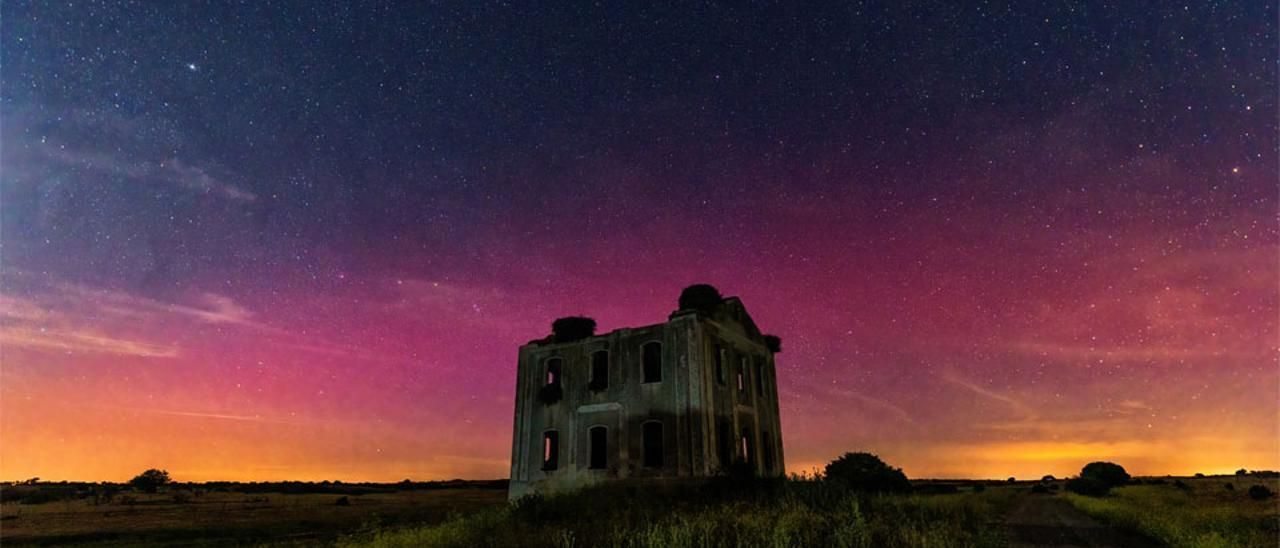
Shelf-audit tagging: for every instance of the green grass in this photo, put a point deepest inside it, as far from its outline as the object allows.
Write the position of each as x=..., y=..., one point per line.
x=1206, y=516
x=793, y=514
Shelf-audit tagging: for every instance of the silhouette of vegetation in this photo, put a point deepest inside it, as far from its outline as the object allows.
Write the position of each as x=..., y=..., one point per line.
x=150, y=480
x=1199, y=475
x=1048, y=477
x=1260, y=492
x=1241, y=472
x=1229, y=486
x=1011, y=480
x=572, y=328
x=1181, y=485
x=978, y=488
x=1039, y=489
x=1112, y=474
x=342, y=501
x=700, y=297
x=550, y=393
x=773, y=343
x=866, y=472
x=1088, y=486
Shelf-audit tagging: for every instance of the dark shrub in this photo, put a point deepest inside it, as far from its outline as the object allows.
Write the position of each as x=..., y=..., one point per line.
x=1157, y=481
x=572, y=328
x=1229, y=487
x=550, y=393
x=1048, y=477
x=978, y=488
x=866, y=472
x=1040, y=489
x=1199, y=475
x=1088, y=486
x=1107, y=472
x=701, y=297
x=150, y=480
x=773, y=343
x=342, y=501
x=1181, y=485
x=1011, y=480
x=1241, y=472
x=1260, y=492
x=181, y=497
x=931, y=488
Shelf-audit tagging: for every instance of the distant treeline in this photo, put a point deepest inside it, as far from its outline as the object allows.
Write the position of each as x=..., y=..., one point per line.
x=36, y=492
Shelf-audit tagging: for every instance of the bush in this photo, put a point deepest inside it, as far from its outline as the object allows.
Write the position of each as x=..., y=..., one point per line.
x=701, y=297
x=1109, y=473
x=1011, y=480
x=550, y=393
x=866, y=472
x=1199, y=475
x=1048, y=477
x=773, y=343
x=1088, y=486
x=1241, y=472
x=1260, y=492
x=150, y=480
x=572, y=328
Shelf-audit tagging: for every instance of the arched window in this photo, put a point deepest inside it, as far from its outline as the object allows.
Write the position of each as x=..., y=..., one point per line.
x=553, y=371
x=599, y=449
x=651, y=357
x=599, y=370
x=653, y=450
x=550, y=450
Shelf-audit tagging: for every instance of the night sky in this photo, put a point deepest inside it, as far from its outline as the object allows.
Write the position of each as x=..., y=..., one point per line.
x=260, y=241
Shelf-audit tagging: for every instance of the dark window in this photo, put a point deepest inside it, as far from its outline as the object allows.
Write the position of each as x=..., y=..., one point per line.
x=651, y=356
x=553, y=371
x=599, y=370
x=652, y=444
x=550, y=450
x=724, y=442
x=599, y=447
x=766, y=442
x=759, y=376
x=720, y=374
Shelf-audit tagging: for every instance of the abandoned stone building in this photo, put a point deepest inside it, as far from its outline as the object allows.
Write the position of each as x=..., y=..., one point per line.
x=678, y=400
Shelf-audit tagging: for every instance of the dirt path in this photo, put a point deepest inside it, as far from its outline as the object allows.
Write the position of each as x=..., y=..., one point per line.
x=1048, y=520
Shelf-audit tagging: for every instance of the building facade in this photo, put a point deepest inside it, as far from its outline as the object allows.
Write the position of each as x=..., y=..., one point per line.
x=683, y=399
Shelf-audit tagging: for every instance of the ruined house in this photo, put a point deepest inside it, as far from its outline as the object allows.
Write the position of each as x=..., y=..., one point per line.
x=679, y=400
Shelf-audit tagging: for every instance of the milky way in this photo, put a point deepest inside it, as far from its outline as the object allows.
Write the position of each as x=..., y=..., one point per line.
x=305, y=241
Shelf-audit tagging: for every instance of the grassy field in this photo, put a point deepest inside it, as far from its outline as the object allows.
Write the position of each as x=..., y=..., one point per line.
x=1204, y=515
x=225, y=517
x=789, y=514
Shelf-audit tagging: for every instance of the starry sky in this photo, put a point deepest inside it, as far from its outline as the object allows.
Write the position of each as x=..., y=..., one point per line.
x=303, y=240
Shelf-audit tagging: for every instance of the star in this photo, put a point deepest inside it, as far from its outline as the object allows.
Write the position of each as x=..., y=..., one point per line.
x=192, y=67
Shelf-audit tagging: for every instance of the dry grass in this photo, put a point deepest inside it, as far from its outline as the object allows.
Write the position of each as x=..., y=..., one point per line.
x=1205, y=516
x=230, y=516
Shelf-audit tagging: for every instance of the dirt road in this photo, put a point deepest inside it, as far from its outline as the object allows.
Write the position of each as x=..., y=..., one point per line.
x=1048, y=520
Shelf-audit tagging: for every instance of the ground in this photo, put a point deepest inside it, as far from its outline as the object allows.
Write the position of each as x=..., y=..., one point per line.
x=1046, y=520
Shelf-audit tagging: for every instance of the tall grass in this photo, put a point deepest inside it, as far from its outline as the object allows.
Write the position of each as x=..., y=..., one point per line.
x=785, y=515
x=1206, y=516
